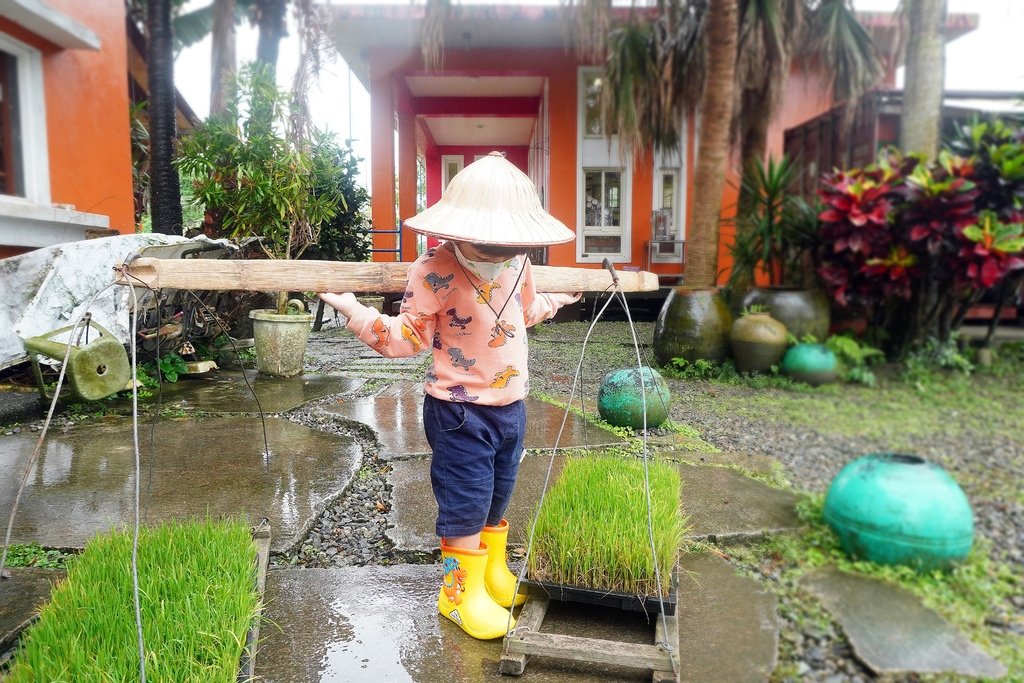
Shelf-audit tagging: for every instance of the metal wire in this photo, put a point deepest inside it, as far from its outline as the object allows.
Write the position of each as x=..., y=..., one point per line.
x=138, y=478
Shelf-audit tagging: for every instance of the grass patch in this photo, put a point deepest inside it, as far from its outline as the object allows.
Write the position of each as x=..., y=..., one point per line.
x=198, y=600
x=592, y=529
x=35, y=555
x=967, y=595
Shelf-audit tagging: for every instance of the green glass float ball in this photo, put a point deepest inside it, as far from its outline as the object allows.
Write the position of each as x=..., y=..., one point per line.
x=620, y=399
x=892, y=508
x=811, y=363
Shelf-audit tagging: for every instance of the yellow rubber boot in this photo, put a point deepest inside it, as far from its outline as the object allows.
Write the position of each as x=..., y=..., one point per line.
x=500, y=581
x=464, y=598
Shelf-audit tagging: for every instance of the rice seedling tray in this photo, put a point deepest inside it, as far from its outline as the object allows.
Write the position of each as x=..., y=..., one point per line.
x=648, y=604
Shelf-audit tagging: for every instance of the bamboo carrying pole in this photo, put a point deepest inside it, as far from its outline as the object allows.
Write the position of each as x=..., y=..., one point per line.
x=337, y=276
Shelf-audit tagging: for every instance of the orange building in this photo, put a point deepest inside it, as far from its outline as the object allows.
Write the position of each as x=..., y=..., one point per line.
x=65, y=162
x=510, y=82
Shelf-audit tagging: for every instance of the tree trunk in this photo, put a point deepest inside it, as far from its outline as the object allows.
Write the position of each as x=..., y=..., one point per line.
x=713, y=150
x=920, y=126
x=222, y=68
x=165, y=192
x=272, y=27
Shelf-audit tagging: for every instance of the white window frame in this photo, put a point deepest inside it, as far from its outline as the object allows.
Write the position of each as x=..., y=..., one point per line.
x=445, y=159
x=35, y=152
x=677, y=213
x=621, y=231
x=597, y=153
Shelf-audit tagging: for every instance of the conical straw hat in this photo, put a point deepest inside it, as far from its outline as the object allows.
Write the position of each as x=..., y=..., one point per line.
x=491, y=202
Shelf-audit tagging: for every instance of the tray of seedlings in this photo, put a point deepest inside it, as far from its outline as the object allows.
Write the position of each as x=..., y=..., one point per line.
x=200, y=595
x=592, y=545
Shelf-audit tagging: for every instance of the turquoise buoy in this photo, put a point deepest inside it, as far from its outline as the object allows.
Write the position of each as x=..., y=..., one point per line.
x=619, y=400
x=892, y=508
x=811, y=363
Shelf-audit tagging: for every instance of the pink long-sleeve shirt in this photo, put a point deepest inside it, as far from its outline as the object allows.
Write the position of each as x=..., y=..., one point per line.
x=477, y=358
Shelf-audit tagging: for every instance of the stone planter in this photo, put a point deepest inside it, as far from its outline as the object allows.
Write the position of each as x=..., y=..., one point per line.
x=621, y=402
x=811, y=363
x=280, y=341
x=892, y=508
x=758, y=342
x=693, y=324
x=803, y=311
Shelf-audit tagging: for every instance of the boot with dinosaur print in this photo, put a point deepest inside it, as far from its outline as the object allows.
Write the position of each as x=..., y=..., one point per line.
x=464, y=598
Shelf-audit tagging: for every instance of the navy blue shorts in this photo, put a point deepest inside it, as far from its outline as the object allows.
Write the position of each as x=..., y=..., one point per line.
x=476, y=451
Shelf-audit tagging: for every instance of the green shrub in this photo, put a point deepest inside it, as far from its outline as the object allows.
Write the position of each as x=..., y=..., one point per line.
x=198, y=600
x=592, y=529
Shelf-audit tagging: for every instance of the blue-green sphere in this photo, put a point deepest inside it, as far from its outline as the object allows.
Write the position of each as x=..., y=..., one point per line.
x=892, y=508
x=620, y=403
x=811, y=363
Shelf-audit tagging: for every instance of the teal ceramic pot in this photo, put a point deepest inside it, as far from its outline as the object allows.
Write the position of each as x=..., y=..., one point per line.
x=620, y=400
x=758, y=342
x=811, y=363
x=693, y=324
x=803, y=311
x=892, y=508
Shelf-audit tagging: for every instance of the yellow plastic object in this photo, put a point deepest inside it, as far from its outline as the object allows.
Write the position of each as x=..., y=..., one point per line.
x=499, y=579
x=464, y=598
x=95, y=370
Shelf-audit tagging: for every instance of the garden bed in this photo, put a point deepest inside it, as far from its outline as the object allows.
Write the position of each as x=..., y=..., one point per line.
x=200, y=589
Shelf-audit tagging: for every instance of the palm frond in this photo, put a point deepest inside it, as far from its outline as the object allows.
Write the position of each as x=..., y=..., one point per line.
x=845, y=47
x=432, y=34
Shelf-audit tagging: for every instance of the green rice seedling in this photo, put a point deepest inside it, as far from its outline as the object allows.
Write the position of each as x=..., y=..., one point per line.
x=198, y=600
x=592, y=528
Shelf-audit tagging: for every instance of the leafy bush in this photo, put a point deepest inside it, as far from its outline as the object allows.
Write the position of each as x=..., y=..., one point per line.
x=910, y=245
x=854, y=358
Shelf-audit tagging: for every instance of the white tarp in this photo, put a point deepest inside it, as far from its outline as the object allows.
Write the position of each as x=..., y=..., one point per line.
x=49, y=288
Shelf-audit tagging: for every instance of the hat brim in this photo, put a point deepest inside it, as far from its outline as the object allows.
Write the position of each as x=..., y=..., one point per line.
x=533, y=229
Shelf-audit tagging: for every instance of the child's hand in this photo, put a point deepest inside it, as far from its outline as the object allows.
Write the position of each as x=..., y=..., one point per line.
x=344, y=303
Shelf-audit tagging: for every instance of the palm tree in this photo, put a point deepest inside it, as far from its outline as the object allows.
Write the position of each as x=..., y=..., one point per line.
x=222, y=57
x=713, y=145
x=922, y=84
x=165, y=191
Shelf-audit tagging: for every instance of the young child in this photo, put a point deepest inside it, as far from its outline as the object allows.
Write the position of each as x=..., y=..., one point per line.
x=470, y=301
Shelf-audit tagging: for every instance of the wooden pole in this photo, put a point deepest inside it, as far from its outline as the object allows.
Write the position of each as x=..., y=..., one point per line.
x=338, y=276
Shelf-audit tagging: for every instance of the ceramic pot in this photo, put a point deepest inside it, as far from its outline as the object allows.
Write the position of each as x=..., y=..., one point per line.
x=893, y=508
x=758, y=342
x=802, y=311
x=811, y=363
x=280, y=341
x=693, y=324
x=620, y=400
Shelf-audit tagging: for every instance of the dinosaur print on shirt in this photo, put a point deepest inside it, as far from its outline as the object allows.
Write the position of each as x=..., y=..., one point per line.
x=460, y=361
x=435, y=282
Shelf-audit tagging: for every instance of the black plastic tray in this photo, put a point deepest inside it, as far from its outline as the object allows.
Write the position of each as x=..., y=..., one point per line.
x=623, y=601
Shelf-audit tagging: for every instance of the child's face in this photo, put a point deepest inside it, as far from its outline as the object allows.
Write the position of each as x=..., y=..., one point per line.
x=488, y=252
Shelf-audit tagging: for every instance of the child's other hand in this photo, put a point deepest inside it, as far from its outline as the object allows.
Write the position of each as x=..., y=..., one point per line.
x=344, y=302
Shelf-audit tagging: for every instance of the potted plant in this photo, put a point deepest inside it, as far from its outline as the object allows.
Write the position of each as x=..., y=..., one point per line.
x=258, y=176
x=591, y=542
x=776, y=230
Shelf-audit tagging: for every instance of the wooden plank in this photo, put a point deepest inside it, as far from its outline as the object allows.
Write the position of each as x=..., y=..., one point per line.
x=667, y=631
x=336, y=276
x=530, y=619
x=593, y=650
x=261, y=537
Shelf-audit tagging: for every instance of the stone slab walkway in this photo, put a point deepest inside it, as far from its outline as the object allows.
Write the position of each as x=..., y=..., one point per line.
x=725, y=505
x=892, y=632
x=231, y=391
x=722, y=612
x=84, y=480
x=21, y=596
x=396, y=416
x=370, y=624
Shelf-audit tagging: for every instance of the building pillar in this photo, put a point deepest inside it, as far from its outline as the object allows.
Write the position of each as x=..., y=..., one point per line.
x=407, y=180
x=382, y=172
